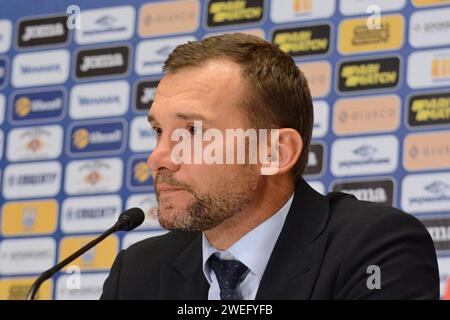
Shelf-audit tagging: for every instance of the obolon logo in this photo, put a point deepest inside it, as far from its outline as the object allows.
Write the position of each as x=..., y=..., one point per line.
x=81, y=138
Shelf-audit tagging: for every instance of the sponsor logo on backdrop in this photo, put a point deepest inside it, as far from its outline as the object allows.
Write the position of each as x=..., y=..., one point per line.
x=379, y=191
x=145, y=94
x=366, y=115
x=318, y=75
x=42, y=32
x=303, y=41
x=148, y=203
x=364, y=156
x=429, y=28
x=91, y=287
x=5, y=35
x=234, y=12
x=38, y=106
x=430, y=68
x=256, y=32
x=142, y=136
x=318, y=186
x=106, y=24
x=132, y=238
x=1, y=144
x=432, y=109
x=90, y=214
x=97, y=138
x=102, y=62
x=439, y=229
x=40, y=68
x=3, y=72
x=282, y=11
x=151, y=54
x=321, y=118
x=353, y=7
x=34, y=143
x=444, y=276
x=26, y=218
x=26, y=256
x=93, y=176
x=422, y=193
x=139, y=176
x=2, y=108
x=427, y=151
x=29, y=180
x=316, y=159
x=356, y=37
x=17, y=289
x=103, y=99
x=169, y=17
x=423, y=3
x=100, y=257
x=369, y=74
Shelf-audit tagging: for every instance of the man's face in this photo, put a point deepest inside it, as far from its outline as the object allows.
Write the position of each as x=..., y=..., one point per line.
x=198, y=197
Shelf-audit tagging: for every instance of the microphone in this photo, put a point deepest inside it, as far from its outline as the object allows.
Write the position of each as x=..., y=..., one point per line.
x=128, y=220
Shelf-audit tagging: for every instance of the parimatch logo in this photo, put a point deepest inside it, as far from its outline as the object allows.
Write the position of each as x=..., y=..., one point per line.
x=429, y=109
x=369, y=74
x=232, y=12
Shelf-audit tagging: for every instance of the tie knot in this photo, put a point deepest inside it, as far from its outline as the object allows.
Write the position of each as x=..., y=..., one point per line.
x=228, y=272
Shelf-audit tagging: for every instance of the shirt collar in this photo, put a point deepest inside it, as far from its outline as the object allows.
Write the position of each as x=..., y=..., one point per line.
x=254, y=248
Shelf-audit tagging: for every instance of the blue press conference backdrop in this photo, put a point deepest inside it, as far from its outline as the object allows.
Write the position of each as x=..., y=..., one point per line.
x=74, y=98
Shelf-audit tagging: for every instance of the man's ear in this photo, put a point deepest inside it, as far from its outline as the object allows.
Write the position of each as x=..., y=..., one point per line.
x=285, y=148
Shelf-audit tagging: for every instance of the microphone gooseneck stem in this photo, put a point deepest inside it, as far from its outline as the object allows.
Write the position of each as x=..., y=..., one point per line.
x=50, y=272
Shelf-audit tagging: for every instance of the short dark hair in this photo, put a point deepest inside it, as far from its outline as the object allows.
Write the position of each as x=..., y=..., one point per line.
x=279, y=96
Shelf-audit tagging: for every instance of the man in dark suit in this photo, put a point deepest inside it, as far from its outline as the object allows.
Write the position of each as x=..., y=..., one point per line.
x=257, y=230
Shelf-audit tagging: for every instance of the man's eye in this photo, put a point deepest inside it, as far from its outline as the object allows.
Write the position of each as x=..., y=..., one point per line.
x=193, y=130
x=158, y=131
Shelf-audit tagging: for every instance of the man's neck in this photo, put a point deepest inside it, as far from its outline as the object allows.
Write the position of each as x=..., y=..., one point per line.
x=269, y=201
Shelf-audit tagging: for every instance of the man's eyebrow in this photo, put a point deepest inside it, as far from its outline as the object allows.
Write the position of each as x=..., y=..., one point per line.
x=182, y=116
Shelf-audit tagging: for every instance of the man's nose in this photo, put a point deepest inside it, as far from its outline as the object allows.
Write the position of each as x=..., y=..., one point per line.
x=161, y=156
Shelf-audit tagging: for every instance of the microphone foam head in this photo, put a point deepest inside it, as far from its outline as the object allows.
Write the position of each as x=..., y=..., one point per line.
x=131, y=218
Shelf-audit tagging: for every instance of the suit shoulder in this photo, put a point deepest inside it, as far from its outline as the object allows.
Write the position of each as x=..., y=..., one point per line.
x=164, y=247
x=348, y=212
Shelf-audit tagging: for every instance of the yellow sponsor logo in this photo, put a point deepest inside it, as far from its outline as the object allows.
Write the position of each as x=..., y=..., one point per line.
x=356, y=37
x=141, y=172
x=429, y=109
x=366, y=115
x=427, y=151
x=304, y=40
x=81, y=138
x=29, y=217
x=168, y=17
x=17, y=289
x=423, y=3
x=302, y=6
x=256, y=32
x=440, y=69
x=233, y=11
x=100, y=257
x=23, y=106
x=318, y=75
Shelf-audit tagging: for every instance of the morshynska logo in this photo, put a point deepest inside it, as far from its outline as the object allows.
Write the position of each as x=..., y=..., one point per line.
x=303, y=41
x=361, y=156
x=102, y=62
x=282, y=11
x=424, y=193
x=369, y=74
x=97, y=138
x=139, y=177
x=233, y=12
x=429, y=68
x=36, y=107
x=43, y=31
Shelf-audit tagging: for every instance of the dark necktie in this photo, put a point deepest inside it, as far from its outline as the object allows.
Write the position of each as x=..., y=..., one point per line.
x=229, y=274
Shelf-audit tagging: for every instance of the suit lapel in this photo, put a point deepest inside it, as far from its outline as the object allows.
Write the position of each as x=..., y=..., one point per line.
x=296, y=259
x=184, y=278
